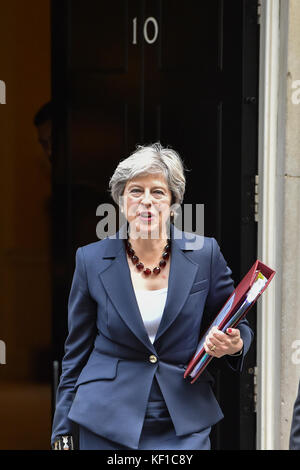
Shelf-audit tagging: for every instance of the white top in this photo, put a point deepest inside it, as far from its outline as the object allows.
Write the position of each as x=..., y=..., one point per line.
x=151, y=304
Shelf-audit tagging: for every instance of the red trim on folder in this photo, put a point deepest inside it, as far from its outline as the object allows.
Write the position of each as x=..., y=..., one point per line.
x=240, y=295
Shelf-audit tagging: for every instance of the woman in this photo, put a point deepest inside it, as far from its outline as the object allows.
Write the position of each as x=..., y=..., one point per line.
x=136, y=308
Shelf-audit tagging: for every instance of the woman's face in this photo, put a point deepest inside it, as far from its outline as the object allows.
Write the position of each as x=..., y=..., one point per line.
x=147, y=201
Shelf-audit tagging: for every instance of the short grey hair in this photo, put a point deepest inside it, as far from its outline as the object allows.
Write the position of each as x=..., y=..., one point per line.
x=150, y=159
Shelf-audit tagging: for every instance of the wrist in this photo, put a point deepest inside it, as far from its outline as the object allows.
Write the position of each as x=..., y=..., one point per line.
x=238, y=353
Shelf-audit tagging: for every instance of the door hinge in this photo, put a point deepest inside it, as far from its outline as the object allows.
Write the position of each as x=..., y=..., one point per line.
x=254, y=371
x=258, y=15
x=255, y=389
x=256, y=197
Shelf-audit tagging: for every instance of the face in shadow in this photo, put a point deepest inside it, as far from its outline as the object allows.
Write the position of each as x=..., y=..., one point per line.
x=44, y=131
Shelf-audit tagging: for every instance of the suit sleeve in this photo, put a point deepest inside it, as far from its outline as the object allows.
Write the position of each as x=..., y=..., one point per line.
x=221, y=287
x=78, y=346
x=295, y=429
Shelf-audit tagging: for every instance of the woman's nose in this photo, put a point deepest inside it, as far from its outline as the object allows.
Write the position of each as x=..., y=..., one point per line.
x=146, y=198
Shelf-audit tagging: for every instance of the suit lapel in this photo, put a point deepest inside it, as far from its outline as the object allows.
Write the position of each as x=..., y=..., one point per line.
x=117, y=282
x=181, y=278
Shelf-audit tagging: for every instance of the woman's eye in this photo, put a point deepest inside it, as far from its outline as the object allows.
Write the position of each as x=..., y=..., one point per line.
x=156, y=192
x=160, y=193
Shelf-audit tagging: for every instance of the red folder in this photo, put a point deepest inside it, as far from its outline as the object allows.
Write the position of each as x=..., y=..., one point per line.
x=234, y=310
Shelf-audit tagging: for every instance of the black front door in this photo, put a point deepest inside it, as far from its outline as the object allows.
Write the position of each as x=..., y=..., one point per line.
x=182, y=73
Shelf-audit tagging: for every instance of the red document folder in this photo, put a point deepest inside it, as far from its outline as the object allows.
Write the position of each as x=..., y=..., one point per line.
x=234, y=310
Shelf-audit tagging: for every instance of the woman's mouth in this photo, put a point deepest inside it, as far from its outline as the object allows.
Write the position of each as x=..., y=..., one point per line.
x=146, y=216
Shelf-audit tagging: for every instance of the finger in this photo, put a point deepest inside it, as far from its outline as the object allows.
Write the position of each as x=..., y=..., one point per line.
x=233, y=332
x=215, y=353
x=209, y=342
x=212, y=341
x=222, y=341
x=214, y=328
x=208, y=350
x=211, y=346
x=218, y=336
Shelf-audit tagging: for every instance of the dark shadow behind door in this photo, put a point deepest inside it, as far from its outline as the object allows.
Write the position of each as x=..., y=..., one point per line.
x=182, y=73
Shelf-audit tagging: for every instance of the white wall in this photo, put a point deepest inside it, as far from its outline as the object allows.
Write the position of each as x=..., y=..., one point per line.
x=279, y=221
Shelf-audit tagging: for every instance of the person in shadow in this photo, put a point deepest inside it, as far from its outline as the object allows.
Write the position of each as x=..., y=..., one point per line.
x=295, y=427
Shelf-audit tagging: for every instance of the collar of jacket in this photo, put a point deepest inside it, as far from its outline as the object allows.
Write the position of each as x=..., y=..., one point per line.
x=116, y=279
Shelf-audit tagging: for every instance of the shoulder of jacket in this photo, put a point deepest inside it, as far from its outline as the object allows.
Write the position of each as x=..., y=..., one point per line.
x=93, y=248
x=200, y=249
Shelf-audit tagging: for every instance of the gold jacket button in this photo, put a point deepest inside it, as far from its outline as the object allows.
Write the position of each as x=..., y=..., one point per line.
x=153, y=359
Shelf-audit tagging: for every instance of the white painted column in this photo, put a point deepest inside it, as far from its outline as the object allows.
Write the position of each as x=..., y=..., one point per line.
x=279, y=221
x=268, y=316
x=290, y=174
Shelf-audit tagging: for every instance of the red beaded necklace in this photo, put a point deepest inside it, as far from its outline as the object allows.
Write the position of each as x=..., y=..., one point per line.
x=140, y=266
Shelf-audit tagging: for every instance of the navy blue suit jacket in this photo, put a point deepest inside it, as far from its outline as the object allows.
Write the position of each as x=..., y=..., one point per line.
x=106, y=371
x=295, y=428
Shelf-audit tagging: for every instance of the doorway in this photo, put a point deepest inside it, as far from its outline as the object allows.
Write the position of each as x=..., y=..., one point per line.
x=182, y=73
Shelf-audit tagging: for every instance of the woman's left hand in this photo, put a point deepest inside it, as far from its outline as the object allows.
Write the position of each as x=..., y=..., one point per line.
x=219, y=344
